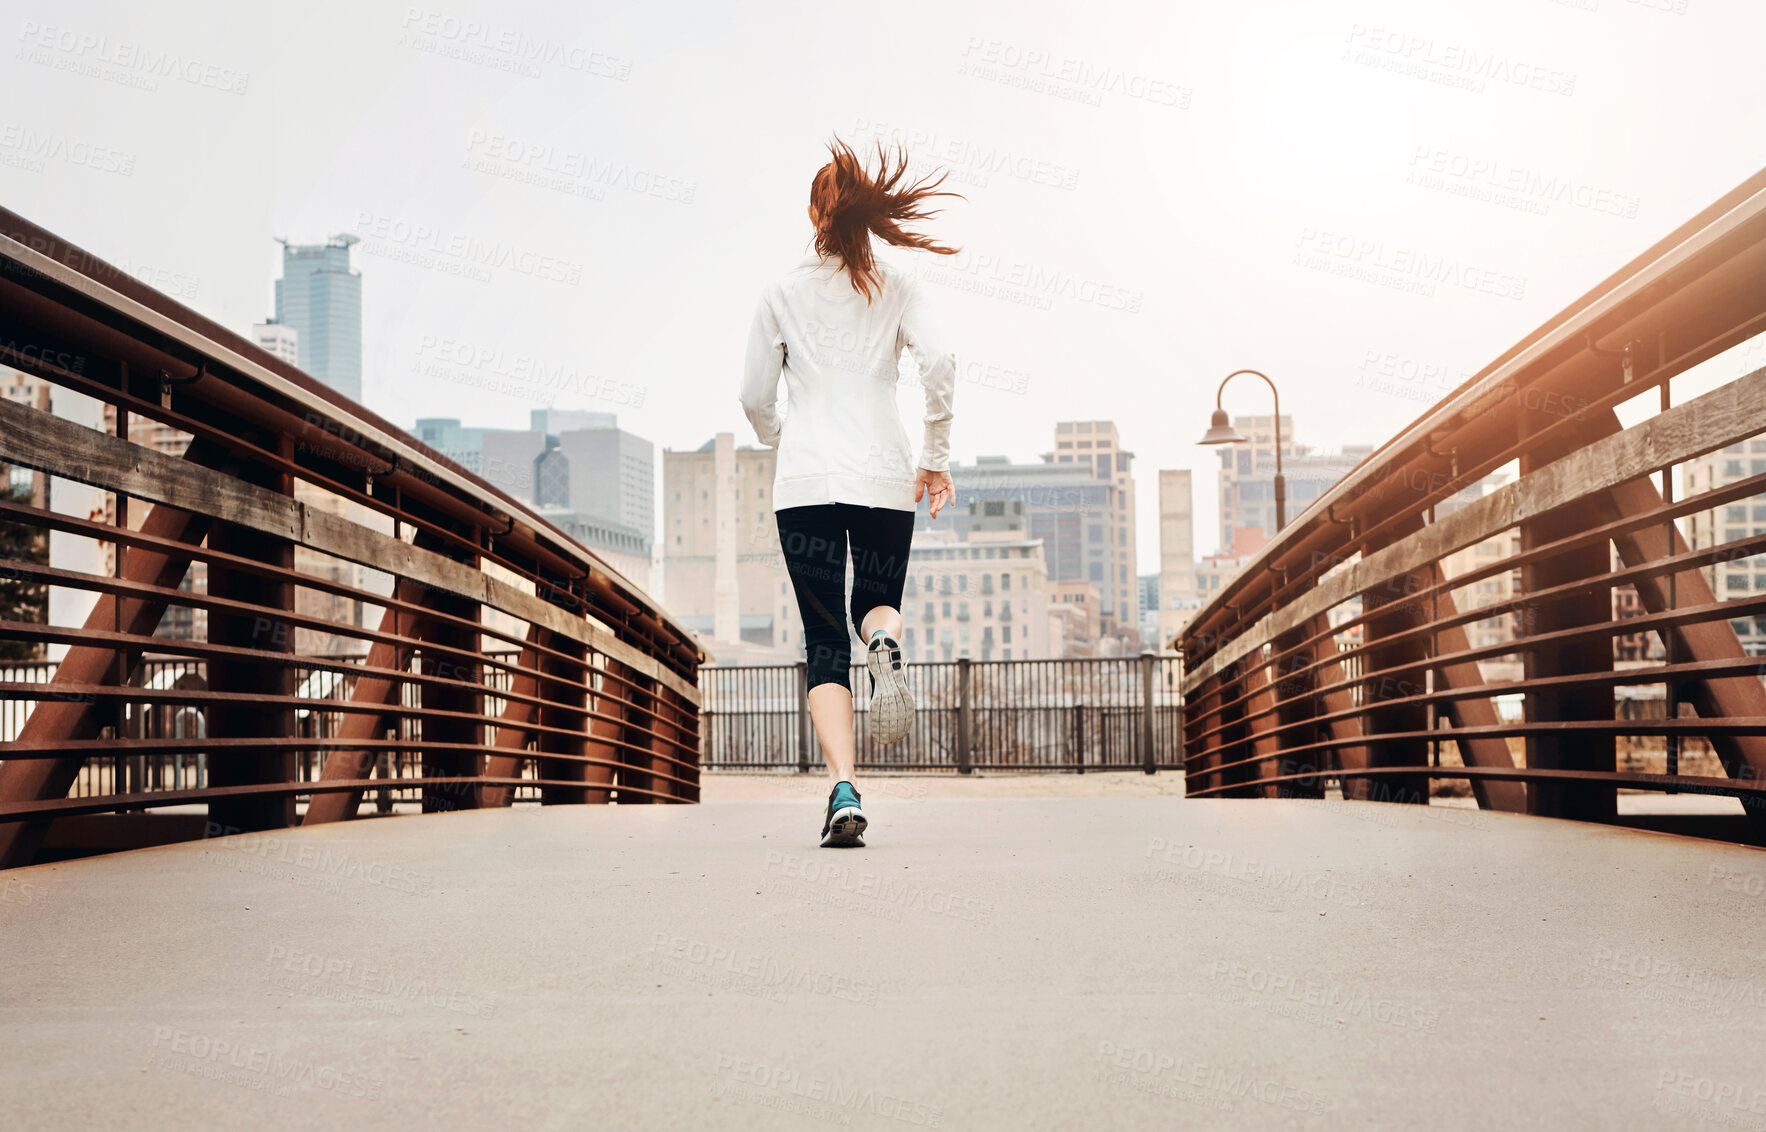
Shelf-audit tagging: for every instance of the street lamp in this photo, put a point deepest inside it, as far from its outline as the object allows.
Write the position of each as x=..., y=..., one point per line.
x=1220, y=431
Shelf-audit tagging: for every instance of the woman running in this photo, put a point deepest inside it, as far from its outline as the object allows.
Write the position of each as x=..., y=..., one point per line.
x=835, y=327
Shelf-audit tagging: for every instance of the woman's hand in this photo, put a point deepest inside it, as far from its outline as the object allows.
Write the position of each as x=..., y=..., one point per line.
x=938, y=483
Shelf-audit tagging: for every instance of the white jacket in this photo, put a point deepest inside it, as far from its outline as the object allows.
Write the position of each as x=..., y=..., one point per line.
x=840, y=439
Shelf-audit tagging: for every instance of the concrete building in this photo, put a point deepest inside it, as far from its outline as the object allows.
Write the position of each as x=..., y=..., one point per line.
x=1096, y=446
x=1149, y=607
x=1737, y=578
x=723, y=574
x=320, y=297
x=611, y=475
x=1177, y=593
x=593, y=480
x=1080, y=612
x=282, y=341
x=1247, y=480
x=984, y=597
x=1066, y=507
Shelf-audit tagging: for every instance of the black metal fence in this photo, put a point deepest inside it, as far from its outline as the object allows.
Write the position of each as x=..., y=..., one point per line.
x=1109, y=713
x=1062, y=715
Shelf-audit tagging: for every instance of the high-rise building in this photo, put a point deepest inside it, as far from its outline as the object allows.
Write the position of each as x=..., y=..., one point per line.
x=593, y=480
x=1067, y=507
x=1177, y=554
x=984, y=597
x=1076, y=602
x=723, y=574
x=1247, y=480
x=320, y=297
x=555, y=421
x=1096, y=446
x=611, y=475
x=1149, y=607
x=282, y=341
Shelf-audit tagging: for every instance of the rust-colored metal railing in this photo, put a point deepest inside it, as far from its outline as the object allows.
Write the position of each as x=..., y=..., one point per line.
x=1367, y=644
x=350, y=612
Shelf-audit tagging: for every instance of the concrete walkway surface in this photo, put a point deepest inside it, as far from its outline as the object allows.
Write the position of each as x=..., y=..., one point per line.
x=1103, y=962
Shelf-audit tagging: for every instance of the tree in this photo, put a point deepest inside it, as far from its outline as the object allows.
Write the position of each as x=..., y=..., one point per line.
x=20, y=598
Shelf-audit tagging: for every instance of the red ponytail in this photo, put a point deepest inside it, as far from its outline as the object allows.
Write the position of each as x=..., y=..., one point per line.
x=852, y=205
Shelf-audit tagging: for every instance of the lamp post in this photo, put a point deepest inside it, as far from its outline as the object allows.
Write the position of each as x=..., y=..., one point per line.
x=1222, y=432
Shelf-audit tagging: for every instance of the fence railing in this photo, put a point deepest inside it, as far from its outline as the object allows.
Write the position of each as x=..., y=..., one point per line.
x=218, y=507
x=1356, y=647
x=1114, y=713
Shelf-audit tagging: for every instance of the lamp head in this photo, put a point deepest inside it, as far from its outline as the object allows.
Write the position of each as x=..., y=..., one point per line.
x=1220, y=431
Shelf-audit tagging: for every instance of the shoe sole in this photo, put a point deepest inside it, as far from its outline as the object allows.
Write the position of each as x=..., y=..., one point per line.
x=892, y=705
x=847, y=829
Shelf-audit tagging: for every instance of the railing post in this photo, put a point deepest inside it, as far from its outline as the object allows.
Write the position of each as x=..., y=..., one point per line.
x=1393, y=671
x=451, y=655
x=803, y=717
x=1079, y=738
x=1149, y=762
x=965, y=720
x=1296, y=702
x=265, y=633
x=1585, y=605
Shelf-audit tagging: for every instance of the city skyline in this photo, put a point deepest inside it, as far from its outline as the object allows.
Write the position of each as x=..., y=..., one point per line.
x=516, y=238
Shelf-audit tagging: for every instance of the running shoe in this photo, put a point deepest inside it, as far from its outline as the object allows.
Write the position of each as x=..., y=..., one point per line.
x=892, y=705
x=844, y=823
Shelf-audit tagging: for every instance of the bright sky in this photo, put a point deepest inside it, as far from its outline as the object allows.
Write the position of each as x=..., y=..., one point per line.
x=1158, y=193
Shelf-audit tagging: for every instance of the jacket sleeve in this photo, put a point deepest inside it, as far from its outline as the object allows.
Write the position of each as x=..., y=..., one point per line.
x=938, y=373
x=760, y=375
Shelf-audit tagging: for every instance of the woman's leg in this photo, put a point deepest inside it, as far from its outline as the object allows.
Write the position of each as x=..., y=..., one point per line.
x=830, y=709
x=813, y=540
x=880, y=541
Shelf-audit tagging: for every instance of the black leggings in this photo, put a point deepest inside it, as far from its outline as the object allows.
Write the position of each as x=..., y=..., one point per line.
x=814, y=542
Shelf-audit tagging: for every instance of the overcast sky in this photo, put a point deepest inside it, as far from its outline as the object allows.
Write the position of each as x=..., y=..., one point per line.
x=1355, y=196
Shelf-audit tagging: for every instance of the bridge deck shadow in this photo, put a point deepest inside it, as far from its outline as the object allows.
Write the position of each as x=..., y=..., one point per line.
x=1043, y=963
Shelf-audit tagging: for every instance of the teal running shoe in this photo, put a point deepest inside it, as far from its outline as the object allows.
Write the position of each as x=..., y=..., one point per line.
x=844, y=823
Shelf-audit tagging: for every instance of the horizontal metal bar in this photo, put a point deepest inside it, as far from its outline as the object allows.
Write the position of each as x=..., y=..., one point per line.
x=1673, y=783
x=99, y=804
